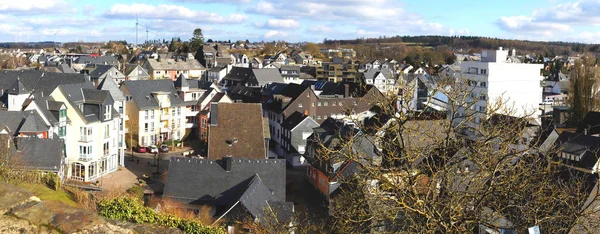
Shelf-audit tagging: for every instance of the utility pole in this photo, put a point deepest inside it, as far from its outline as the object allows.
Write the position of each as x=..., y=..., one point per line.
x=136, y=29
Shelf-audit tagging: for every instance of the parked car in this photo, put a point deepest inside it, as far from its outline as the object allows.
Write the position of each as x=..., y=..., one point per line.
x=152, y=149
x=140, y=149
x=164, y=148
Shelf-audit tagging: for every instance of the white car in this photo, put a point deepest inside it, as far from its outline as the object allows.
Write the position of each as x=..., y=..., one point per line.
x=152, y=149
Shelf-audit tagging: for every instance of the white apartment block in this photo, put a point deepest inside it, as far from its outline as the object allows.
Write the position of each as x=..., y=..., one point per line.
x=498, y=78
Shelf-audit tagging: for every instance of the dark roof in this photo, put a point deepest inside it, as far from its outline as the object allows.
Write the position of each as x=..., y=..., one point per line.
x=111, y=86
x=267, y=75
x=293, y=120
x=38, y=81
x=577, y=143
x=11, y=120
x=238, y=74
x=242, y=121
x=181, y=82
x=34, y=123
x=18, y=88
x=41, y=153
x=141, y=92
x=245, y=94
x=87, y=95
x=591, y=123
x=203, y=181
x=100, y=70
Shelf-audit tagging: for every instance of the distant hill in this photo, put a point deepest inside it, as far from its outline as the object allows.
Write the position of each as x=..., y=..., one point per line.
x=476, y=44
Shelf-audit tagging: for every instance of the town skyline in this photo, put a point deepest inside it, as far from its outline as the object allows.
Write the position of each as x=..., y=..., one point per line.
x=312, y=21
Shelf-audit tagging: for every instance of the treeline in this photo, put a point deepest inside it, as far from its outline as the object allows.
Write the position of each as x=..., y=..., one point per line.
x=475, y=44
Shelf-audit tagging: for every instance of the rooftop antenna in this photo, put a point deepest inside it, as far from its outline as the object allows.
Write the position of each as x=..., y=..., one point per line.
x=148, y=42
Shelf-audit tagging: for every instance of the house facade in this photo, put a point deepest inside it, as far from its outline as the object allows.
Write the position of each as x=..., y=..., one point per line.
x=172, y=68
x=155, y=110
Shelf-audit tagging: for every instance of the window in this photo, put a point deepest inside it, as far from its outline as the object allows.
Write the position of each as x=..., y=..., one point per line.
x=318, y=117
x=313, y=104
x=299, y=105
x=107, y=113
x=107, y=130
x=146, y=114
x=85, y=133
x=320, y=104
x=178, y=110
x=62, y=113
x=195, y=96
x=203, y=122
x=145, y=127
x=339, y=103
x=106, y=148
x=152, y=126
x=483, y=71
x=325, y=104
x=483, y=84
x=85, y=152
x=334, y=103
x=62, y=131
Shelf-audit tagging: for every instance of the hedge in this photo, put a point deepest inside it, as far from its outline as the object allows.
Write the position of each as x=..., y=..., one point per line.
x=132, y=210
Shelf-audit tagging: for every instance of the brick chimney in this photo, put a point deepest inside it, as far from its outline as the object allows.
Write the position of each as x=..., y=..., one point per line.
x=227, y=161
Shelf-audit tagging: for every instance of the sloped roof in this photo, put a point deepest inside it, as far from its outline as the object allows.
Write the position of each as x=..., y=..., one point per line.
x=171, y=64
x=34, y=123
x=293, y=120
x=100, y=70
x=111, y=86
x=181, y=82
x=41, y=153
x=230, y=118
x=18, y=88
x=267, y=75
x=11, y=120
x=141, y=92
x=39, y=81
x=203, y=181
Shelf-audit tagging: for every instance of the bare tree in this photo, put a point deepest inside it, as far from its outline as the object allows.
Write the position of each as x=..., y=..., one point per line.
x=583, y=90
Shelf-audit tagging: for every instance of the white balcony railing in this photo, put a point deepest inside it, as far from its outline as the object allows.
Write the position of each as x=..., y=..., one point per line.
x=86, y=138
x=85, y=157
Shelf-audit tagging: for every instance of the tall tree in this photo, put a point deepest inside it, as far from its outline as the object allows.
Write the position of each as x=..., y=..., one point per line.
x=583, y=92
x=196, y=41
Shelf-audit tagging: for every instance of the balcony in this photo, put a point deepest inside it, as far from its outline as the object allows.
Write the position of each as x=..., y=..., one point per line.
x=86, y=138
x=85, y=157
x=191, y=125
x=165, y=130
x=165, y=117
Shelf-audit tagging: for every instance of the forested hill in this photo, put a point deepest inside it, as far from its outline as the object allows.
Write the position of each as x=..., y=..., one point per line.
x=475, y=43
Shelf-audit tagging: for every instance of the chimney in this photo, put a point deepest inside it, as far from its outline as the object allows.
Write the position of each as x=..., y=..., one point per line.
x=312, y=87
x=226, y=161
x=346, y=90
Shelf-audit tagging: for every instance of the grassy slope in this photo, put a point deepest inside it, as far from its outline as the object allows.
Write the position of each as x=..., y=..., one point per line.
x=44, y=193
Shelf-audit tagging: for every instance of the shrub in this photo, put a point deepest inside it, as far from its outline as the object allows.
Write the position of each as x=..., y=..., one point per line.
x=130, y=142
x=52, y=180
x=132, y=210
x=136, y=191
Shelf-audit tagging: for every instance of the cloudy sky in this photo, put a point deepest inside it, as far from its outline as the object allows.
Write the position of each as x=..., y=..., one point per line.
x=297, y=20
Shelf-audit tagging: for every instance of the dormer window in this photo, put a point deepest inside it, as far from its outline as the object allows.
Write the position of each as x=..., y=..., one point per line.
x=107, y=111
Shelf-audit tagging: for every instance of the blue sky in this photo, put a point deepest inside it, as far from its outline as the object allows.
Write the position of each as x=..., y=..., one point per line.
x=294, y=20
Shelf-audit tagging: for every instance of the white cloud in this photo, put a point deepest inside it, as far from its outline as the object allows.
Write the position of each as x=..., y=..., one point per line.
x=320, y=29
x=275, y=33
x=169, y=12
x=328, y=9
x=212, y=1
x=35, y=6
x=285, y=24
x=529, y=25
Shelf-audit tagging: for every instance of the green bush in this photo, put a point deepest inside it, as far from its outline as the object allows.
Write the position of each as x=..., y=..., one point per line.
x=136, y=191
x=51, y=180
x=132, y=210
x=171, y=142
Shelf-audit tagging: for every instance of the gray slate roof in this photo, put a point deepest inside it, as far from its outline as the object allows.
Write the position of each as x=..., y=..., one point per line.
x=202, y=181
x=141, y=92
x=41, y=154
x=11, y=120
x=42, y=82
x=18, y=88
x=267, y=75
x=111, y=86
x=33, y=123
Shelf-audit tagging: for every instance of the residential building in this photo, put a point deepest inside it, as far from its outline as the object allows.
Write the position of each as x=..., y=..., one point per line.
x=382, y=79
x=495, y=80
x=190, y=91
x=212, y=95
x=319, y=100
x=91, y=146
x=172, y=68
x=251, y=77
x=216, y=74
x=119, y=104
x=290, y=74
x=135, y=72
x=326, y=171
x=99, y=72
x=337, y=71
x=236, y=130
x=295, y=131
x=233, y=188
x=155, y=110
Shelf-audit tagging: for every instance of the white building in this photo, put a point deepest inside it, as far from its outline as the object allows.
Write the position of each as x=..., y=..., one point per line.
x=495, y=79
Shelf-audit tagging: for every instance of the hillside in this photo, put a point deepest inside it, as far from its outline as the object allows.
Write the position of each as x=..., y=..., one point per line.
x=468, y=44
